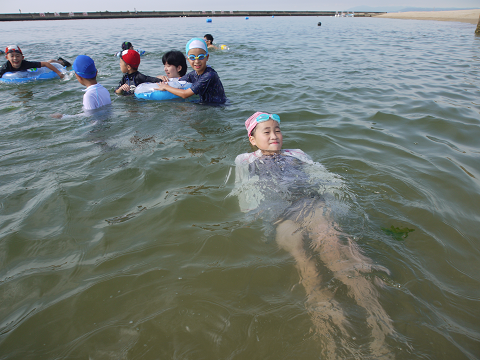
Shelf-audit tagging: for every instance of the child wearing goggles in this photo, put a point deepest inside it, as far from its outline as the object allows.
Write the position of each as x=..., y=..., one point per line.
x=209, y=40
x=295, y=198
x=205, y=81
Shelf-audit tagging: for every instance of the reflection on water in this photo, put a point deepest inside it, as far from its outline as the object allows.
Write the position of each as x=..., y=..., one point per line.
x=118, y=237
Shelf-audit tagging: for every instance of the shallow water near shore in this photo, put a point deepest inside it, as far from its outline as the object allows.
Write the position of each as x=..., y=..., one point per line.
x=118, y=237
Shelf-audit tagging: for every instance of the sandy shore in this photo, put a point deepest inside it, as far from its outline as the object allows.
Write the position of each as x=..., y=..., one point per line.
x=468, y=16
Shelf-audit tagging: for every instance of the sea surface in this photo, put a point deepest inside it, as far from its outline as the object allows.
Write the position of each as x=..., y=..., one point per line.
x=121, y=236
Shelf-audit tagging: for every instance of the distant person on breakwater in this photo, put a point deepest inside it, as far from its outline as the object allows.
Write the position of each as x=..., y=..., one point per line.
x=86, y=73
x=129, y=62
x=16, y=62
x=286, y=188
x=205, y=81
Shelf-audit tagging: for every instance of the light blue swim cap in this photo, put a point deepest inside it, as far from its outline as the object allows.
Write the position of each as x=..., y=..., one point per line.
x=196, y=43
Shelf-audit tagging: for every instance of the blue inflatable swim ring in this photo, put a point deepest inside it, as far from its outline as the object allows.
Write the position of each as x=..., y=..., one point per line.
x=147, y=91
x=43, y=73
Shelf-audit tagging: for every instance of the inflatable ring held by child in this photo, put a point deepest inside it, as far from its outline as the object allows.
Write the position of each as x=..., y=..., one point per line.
x=147, y=91
x=141, y=52
x=34, y=74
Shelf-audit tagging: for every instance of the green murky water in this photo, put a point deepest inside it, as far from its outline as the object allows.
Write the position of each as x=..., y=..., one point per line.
x=118, y=239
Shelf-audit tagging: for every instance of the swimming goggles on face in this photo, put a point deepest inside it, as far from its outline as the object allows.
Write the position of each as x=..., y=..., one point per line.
x=265, y=117
x=199, y=57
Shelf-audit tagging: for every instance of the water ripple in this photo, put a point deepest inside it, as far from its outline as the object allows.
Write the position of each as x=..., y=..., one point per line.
x=118, y=237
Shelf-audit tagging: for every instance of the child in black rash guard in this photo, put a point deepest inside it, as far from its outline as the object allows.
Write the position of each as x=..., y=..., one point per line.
x=129, y=62
x=16, y=62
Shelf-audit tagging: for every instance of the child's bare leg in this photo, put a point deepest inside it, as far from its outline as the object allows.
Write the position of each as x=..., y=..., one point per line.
x=326, y=314
x=290, y=239
x=347, y=264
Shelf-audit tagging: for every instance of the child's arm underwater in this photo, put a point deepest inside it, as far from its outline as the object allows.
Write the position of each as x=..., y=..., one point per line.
x=51, y=67
x=179, y=92
x=64, y=116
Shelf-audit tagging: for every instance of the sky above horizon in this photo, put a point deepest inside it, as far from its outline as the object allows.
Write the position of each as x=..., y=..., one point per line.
x=35, y=6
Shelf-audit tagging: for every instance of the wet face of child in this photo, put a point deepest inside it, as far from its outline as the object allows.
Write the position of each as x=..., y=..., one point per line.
x=267, y=137
x=198, y=65
x=172, y=71
x=123, y=66
x=15, y=59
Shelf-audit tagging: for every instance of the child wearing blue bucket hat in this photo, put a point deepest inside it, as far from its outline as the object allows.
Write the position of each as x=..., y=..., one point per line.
x=205, y=81
x=86, y=73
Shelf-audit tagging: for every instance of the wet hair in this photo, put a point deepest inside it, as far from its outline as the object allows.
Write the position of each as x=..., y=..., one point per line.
x=126, y=45
x=208, y=37
x=176, y=58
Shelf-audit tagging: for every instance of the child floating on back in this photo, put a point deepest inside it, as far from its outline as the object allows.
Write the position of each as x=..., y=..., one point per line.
x=129, y=62
x=16, y=62
x=288, y=189
x=86, y=73
x=205, y=81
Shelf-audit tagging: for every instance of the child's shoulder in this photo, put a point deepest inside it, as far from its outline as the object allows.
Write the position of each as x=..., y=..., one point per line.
x=251, y=157
x=209, y=72
x=247, y=158
x=95, y=87
x=293, y=152
x=299, y=154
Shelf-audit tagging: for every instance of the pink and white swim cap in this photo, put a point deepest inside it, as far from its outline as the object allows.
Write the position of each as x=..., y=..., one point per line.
x=259, y=117
x=252, y=122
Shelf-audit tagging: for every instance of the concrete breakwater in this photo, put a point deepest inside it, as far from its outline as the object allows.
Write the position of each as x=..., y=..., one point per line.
x=152, y=14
